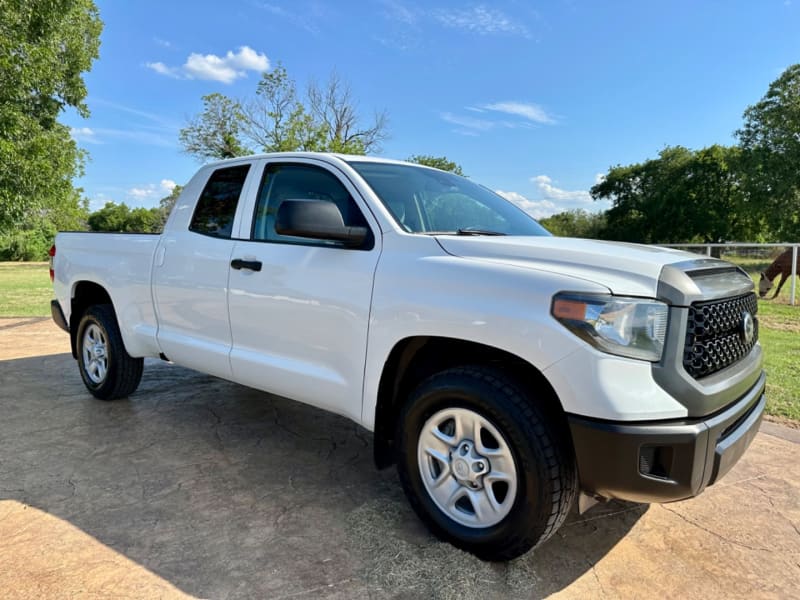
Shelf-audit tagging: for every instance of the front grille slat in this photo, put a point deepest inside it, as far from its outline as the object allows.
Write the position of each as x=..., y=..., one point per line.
x=714, y=338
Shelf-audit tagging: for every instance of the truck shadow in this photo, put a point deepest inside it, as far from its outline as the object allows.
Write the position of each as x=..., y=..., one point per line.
x=227, y=492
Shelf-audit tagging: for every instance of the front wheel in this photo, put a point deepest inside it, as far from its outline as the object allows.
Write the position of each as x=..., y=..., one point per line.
x=107, y=370
x=482, y=465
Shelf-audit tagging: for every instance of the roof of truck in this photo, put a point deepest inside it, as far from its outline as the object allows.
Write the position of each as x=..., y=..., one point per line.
x=323, y=155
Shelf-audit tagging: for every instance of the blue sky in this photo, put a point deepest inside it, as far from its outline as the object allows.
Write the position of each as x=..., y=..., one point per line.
x=532, y=98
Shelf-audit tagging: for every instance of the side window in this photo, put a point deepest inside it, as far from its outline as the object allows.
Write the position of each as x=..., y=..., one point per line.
x=216, y=206
x=300, y=182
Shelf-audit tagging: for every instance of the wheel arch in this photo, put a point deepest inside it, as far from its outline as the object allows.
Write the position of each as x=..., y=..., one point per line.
x=413, y=359
x=84, y=295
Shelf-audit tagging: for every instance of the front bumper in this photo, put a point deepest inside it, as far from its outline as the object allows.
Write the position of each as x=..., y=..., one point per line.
x=664, y=461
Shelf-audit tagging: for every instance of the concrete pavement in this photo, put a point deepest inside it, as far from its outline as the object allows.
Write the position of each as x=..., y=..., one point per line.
x=198, y=487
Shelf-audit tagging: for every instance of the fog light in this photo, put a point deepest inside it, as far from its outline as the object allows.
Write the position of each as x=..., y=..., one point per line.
x=655, y=461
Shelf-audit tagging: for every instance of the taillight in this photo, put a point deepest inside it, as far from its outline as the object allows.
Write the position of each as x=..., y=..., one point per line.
x=52, y=253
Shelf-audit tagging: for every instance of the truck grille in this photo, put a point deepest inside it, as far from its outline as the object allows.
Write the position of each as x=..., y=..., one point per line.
x=715, y=334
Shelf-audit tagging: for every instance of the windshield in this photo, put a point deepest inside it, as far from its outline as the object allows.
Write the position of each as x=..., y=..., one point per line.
x=430, y=201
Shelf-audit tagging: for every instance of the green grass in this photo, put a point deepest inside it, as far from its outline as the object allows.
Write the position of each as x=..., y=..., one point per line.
x=779, y=333
x=25, y=290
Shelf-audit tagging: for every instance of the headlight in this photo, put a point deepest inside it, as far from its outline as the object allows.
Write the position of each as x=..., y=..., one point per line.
x=632, y=327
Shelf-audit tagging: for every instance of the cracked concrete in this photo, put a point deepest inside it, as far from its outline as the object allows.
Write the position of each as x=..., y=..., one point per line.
x=199, y=487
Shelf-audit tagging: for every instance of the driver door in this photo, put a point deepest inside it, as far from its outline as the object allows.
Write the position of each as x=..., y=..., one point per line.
x=299, y=324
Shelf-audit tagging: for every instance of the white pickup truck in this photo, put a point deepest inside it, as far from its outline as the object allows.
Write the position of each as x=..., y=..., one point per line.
x=506, y=372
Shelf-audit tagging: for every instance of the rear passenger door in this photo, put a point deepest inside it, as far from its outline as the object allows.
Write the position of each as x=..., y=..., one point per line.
x=299, y=324
x=190, y=275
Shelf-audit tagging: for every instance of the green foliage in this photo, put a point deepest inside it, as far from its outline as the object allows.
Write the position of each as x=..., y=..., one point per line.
x=437, y=162
x=45, y=47
x=276, y=119
x=716, y=194
x=770, y=139
x=682, y=196
x=27, y=243
x=576, y=223
x=120, y=218
x=167, y=202
x=214, y=133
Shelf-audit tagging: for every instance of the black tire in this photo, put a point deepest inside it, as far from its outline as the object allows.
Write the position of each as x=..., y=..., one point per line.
x=546, y=474
x=123, y=372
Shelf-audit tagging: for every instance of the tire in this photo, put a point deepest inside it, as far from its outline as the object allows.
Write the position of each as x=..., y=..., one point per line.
x=476, y=498
x=107, y=370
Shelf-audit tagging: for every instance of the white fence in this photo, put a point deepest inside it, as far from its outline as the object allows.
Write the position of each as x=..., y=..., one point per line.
x=763, y=251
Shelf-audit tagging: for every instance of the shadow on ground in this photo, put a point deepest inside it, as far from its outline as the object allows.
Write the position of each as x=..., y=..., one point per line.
x=227, y=492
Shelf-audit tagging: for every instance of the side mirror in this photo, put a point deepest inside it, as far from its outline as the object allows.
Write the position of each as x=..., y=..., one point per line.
x=318, y=219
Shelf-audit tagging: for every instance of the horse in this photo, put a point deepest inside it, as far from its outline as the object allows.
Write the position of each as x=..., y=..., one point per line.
x=781, y=265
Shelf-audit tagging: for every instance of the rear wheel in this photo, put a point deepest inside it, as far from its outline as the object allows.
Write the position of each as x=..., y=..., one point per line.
x=107, y=370
x=482, y=465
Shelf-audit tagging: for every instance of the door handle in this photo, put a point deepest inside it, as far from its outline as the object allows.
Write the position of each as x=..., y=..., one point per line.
x=253, y=265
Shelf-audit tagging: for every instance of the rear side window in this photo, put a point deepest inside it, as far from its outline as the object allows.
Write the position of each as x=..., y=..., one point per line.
x=216, y=207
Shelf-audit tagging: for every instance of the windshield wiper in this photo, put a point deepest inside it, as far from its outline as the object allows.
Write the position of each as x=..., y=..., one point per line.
x=463, y=231
x=477, y=231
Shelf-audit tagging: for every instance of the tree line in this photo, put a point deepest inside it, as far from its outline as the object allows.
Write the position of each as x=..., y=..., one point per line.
x=749, y=191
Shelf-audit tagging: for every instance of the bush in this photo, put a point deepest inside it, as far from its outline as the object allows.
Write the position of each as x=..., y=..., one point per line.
x=27, y=244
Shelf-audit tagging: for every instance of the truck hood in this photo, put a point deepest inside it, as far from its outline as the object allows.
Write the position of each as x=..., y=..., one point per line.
x=625, y=269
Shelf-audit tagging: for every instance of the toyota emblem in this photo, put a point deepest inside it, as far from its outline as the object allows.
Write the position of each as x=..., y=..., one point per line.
x=748, y=327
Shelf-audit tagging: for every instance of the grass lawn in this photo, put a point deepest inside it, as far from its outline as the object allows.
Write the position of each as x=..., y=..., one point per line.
x=25, y=291
x=779, y=333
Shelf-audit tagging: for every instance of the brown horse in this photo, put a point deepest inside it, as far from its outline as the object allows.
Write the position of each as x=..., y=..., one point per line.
x=783, y=266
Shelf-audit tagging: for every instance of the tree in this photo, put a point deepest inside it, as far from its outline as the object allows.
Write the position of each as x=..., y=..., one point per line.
x=45, y=47
x=681, y=196
x=335, y=111
x=437, y=162
x=166, y=204
x=770, y=140
x=115, y=217
x=276, y=119
x=215, y=132
x=576, y=223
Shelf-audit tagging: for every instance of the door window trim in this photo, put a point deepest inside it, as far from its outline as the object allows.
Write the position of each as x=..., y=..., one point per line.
x=242, y=195
x=369, y=242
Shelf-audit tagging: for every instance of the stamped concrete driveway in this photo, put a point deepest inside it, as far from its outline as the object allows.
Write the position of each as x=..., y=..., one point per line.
x=199, y=487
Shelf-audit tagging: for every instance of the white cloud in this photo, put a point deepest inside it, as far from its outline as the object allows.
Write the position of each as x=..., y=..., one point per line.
x=163, y=69
x=99, y=201
x=162, y=42
x=151, y=190
x=481, y=20
x=304, y=18
x=85, y=135
x=227, y=69
x=538, y=209
x=468, y=122
x=398, y=12
x=210, y=67
x=529, y=116
x=551, y=192
x=143, y=136
x=531, y=112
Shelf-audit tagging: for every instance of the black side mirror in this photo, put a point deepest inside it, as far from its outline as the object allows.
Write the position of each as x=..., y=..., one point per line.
x=317, y=219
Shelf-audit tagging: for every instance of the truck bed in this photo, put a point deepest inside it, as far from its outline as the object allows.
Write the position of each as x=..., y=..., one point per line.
x=122, y=264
